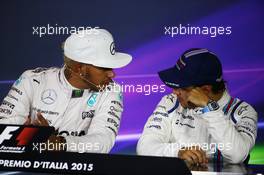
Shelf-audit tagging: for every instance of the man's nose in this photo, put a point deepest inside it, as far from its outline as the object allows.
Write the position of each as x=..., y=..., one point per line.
x=110, y=73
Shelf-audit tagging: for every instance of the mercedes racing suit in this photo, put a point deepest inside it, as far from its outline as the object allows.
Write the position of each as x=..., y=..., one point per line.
x=227, y=134
x=81, y=116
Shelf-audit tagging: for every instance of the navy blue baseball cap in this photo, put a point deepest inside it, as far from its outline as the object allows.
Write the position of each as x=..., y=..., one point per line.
x=194, y=67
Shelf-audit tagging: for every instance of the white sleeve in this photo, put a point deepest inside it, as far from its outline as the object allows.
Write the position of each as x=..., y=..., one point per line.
x=16, y=105
x=103, y=128
x=155, y=139
x=237, y=135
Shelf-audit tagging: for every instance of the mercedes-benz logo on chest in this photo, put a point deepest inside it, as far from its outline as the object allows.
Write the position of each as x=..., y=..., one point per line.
x=48, y=96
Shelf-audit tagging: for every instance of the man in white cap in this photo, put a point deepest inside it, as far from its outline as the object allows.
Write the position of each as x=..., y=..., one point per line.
x=80, y=99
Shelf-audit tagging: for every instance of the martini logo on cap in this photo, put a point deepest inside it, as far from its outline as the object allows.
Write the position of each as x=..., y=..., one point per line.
x=112, y=48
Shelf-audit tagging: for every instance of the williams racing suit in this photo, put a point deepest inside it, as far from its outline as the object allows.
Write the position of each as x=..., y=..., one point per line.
x=83, y=117
x=227, y=134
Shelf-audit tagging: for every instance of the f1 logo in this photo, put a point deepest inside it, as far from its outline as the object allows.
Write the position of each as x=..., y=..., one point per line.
x=5, y=135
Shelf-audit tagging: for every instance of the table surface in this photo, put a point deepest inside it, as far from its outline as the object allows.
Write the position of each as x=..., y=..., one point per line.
x=228, y=169
x=211, y=169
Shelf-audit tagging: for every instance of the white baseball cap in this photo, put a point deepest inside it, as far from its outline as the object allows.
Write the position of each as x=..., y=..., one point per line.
x=96, y=47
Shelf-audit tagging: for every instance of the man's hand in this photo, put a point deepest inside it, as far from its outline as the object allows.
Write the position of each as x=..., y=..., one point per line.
x=197, y=97
x=28, y=121
x=193, y=167
x=193, y=155
x=40, y=120
x=58, y=142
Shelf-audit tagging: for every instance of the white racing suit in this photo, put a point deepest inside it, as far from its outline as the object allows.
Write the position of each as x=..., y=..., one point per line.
x=82, y=117
x=227, y=134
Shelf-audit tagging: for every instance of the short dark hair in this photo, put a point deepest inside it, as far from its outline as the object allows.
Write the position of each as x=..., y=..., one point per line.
x=217, y=87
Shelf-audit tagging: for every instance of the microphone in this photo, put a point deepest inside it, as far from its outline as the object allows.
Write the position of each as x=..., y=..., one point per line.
x=97, y=87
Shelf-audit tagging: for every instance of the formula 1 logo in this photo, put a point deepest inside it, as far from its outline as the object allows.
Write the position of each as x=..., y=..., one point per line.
x=26, y=135
x=20, y=138
x=5, y=135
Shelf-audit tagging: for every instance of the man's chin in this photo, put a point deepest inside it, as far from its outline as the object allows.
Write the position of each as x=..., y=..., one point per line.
x=105, y=83
x=103, y=86
x=188, y=107
x=191, y=105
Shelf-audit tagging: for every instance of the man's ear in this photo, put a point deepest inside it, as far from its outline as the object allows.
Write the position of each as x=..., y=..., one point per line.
x=80, y=68
x=84, y=68
x=206, y=89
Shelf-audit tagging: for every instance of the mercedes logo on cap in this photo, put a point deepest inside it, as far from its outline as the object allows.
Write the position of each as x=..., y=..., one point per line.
x=112, y=48
x=48, y=96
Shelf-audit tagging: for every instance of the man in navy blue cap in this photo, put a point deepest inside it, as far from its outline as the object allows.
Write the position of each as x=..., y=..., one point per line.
x=199, y=121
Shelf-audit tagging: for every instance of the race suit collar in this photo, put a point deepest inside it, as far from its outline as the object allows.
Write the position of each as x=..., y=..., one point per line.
x=63, y=81
x=224, y=99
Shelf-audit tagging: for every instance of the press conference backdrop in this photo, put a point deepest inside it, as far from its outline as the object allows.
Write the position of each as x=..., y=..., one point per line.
x=155, y=33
